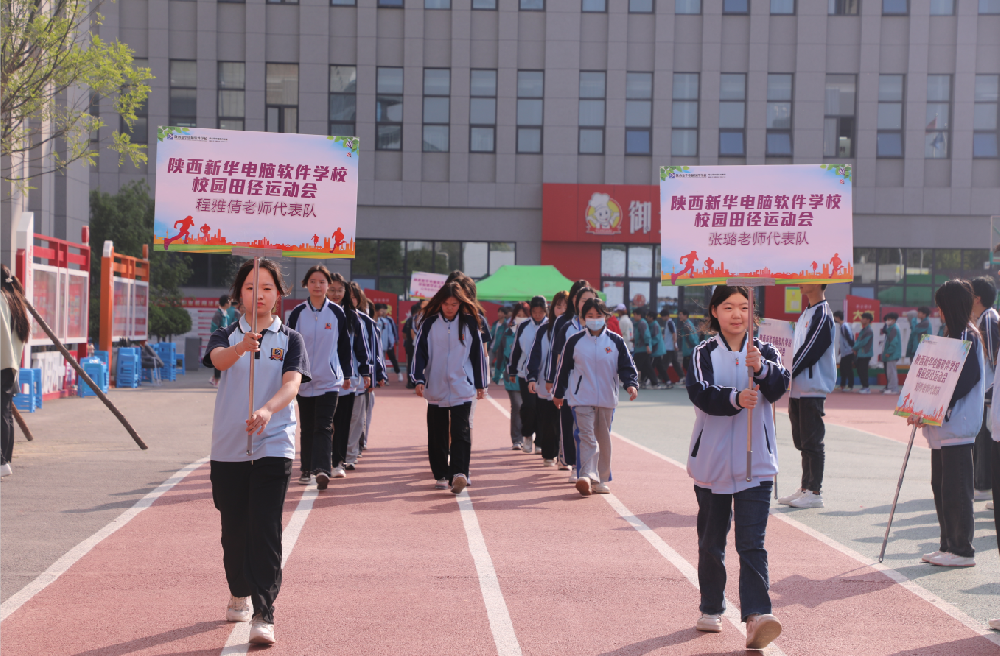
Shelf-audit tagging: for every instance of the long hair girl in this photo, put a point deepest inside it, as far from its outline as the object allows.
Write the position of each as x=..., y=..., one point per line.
x=14, y=294
x=465, y=304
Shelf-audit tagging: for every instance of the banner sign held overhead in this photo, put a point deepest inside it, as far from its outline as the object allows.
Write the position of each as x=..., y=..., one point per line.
x=780, y=334
x=932, y=378
x=790, y=223
x=425, y=285
x=220, y=189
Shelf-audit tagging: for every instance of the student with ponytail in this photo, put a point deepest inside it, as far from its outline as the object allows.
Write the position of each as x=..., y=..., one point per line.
x=547, y=436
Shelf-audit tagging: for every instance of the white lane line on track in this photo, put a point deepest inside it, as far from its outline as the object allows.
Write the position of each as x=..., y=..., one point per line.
x=915, y=588
x=239, y=640
x=70, y=558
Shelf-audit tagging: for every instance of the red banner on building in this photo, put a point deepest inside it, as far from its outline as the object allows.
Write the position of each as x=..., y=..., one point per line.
x=854, y=306
x=601, y=213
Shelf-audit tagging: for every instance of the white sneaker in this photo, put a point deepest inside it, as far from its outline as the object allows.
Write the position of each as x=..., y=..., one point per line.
x=865, y=390
x=340, y=472
x=989, y=505
x=458, y=483
x=889, y=391
x=601, y=488
x=709, y=623
x=995, y=624
x=239, y=609
x=573, y=478
x=516, y=446
x=583, y=486
x=928, y=556
x=807, y=500
x=982, y=495
x=549, y=462
x=538, y=449
x=528, y=445
x=261, y=633
x=401, y=379
x=762, y=630
x=951, y=560
x=791, y=497
x=5, y=470
x=441, y=484
x=564, y=467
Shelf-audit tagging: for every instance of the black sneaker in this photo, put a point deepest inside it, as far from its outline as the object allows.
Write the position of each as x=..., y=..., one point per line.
x=516, y=446
x=348, y=466
x=305, y=478
x=322, y=480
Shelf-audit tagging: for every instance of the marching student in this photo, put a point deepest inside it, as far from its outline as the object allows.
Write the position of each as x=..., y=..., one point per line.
x=360, y=379
x=670, y=348
x=364, y=399
x=568, y=325
x=986, y=318
x=594, y=362
x=891, y=353
x=469, y=287
x=518, y=316
x=219, y=320
x=249, y=489
x=642, y=348
x=951, y=443
x=326, y=335
x=547, y=436
x=846, y=337
x=814, y=373
x=864, y=349
x=16, y=330
x=449, y=370
x=920, y=325
x=517, y=370
x=625, y=324
x=390, y=337
x=408, y=334
x=659, y=348
x=687, y=338
x=718, y=385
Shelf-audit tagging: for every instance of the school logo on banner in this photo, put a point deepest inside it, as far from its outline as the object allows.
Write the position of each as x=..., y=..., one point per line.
x=277, y=354
x=603, y=215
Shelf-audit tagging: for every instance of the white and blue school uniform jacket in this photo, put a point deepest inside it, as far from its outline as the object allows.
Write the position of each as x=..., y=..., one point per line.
x=327, y=339
x=373, y=344
x=717, y=458
x=561, y=335
x=539, y=355
x=281, y=350
x=450, y=368
x=814, y=367
x=669, y=336
x=361, y=364
x=387, y=328
x=524, y=337
x=964, y=416
x=592, y=367
x=989, y=329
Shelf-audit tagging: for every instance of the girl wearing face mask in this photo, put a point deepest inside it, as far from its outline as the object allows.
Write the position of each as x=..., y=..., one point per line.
x=517, y=370
x=593, y=364
x=547, y=435
x=518, y=315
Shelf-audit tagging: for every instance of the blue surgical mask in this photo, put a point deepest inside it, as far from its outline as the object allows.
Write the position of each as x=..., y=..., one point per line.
x=595, y=324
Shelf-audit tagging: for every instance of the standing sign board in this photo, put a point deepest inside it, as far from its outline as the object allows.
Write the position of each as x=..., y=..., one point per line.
x=424, y=285
x=781, y=335
x=790, y=223
x=932, y=379
x=220, y=189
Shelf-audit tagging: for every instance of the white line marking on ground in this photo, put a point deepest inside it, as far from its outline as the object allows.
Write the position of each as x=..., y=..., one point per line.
x=59, y=567
x=496, y=607
x=897, y=577
x=239, y=640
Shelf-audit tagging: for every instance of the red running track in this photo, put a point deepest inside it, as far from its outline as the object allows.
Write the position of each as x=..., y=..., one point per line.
x=383, y=566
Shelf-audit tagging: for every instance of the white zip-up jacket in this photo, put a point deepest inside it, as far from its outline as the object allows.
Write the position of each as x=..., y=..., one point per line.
x=327, y=337
x=360, y=364
x=717, y=458
x=540, y=350
x=814, y=367
x=592, y=367
x=524, y=337
x=560, y=335
x=373, y=342
x=964, y=416
x=450, y=369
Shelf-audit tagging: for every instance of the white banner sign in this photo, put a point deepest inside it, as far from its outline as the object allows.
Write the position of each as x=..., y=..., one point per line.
x=932, y=378
x=425, y=285
x=781, y=335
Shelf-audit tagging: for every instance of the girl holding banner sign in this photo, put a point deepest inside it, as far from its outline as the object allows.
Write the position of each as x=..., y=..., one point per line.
x=951, y=442
x=718, y=385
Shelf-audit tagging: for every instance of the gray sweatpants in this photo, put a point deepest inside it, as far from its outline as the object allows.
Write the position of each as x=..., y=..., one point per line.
x=515, y=416
x=359, y=417
x=369, y=406
x=593, y=442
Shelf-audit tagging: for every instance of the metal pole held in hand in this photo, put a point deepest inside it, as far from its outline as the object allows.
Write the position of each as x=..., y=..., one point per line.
x=749, y=386
x=892, y=511
x=253, y=356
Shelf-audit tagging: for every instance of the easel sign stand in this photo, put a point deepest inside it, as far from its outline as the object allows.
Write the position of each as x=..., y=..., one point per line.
x=256, y=254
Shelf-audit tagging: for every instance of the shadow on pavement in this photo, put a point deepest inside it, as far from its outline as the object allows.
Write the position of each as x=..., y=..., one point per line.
x=160, y=639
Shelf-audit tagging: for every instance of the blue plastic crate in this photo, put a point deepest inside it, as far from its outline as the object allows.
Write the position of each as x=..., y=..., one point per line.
x=180, y=364
x=128, y=373
x=98, y=372
x=29, y=395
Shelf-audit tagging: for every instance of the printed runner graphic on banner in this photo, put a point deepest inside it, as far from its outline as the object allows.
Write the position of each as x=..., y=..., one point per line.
x=933, y=376
x=792, y=224
x=220, y=189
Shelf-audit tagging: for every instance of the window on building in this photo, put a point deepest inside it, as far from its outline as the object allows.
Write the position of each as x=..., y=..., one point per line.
x=779, y=115
x=889, y=139
x=782, y=7
x=389, y=108
x=343, y=100
x=640, y=6
x=530, y=90
x=684, y=135
x=592, y=90
x=183, y=93
x=838, y=124
x=687, y=6
x=281, y=96
x=843, y=7
x=895, y=7
x=942, y=7
x=484, y=4
x=532, y=5
x=630, y=275
x=938, y=120
x=989, y=6
x=483, y=111
x=437, y=4
x=95, y=113
x=638, y=113
x=345, y=3
x=437, y=109
x=140, y=127
x=984, y=122
x=282, y=2
x=735, y=6
x=732, y=114
x=594, y=5
x=390, y=3
x=232, y=95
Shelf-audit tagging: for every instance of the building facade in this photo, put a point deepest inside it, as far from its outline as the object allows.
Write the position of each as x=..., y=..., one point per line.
x=467, y=111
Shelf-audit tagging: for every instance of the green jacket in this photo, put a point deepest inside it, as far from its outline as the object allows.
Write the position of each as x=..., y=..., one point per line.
x=893, y=349
x=917, y=330
x=687, y=337
x=505, y=344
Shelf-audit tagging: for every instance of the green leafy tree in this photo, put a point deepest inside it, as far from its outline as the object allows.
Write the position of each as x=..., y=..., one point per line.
x=52, y=61
x=126, y=218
